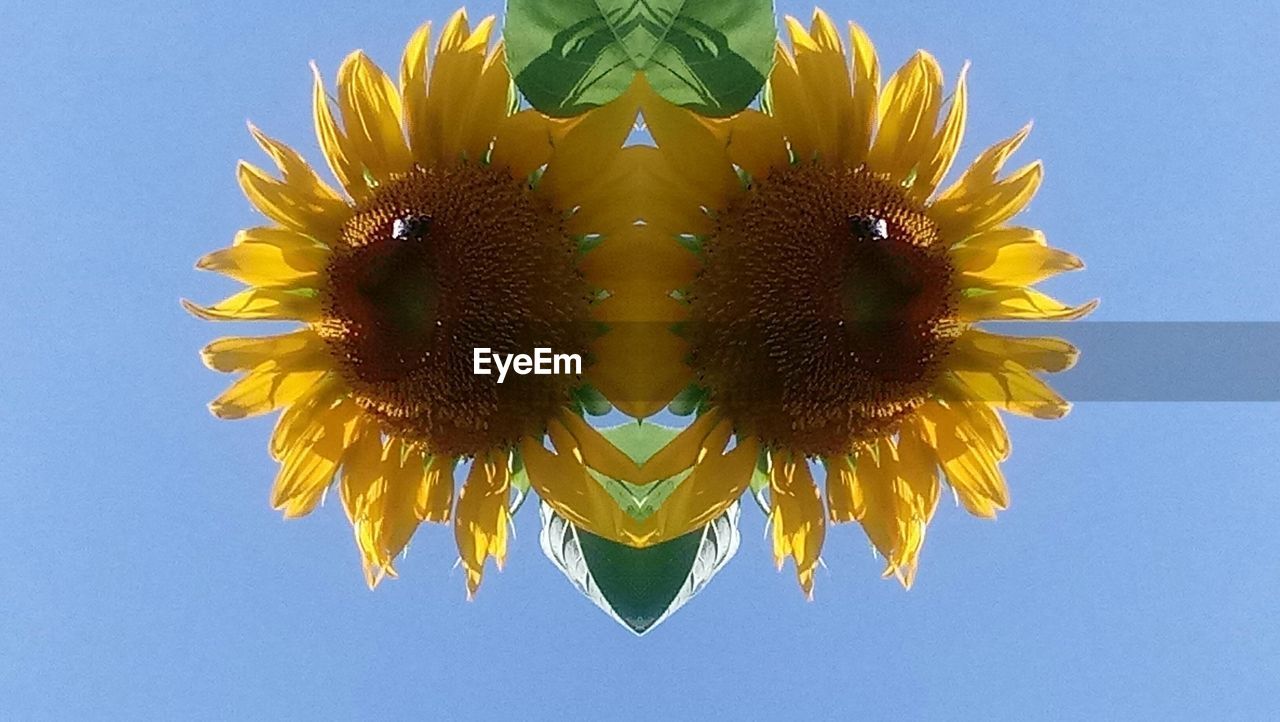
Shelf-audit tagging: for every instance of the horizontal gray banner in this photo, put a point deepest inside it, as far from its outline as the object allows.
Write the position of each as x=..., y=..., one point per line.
x=1159, y=361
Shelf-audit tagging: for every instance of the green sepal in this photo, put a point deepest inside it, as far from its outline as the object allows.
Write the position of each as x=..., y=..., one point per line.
x=590, y=401
x=536, y=177
x=691, y=242
x=689, y=401
x=519, y=474
x=588, y=242
x=760, y=475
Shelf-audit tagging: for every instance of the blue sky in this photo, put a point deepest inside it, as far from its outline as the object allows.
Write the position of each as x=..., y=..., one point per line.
x=143, y=572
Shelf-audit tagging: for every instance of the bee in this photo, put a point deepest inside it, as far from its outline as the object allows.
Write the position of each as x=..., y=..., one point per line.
x=410, y=228
x=869, y=228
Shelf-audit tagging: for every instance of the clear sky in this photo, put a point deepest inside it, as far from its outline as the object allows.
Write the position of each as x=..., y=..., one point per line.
x=142, y=571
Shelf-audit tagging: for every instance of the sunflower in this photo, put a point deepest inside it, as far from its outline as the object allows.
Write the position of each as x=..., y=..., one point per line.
x=458, y=226
x=834, y=296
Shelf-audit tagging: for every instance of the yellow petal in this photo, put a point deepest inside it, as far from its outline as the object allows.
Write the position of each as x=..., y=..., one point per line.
x=642, y=367
x=972, y=469
x=665, y=199
x=875, y=503
x=297, y=172
x=286, y=240
x=641, y=297
x=595, y=450
x=1014, y=264
x=483, y=518
x=917, y=468
x=455, y=33
x=989, y=206
x=754, y=142
x=789, y=103
x=942, y=150
x=435, y=496
x=826, y=83
x=306, y=411
x=991, y=241
x=523, y=142
x=372, y=117
x=414, y=72
x=978, y=419
x=295, y=351
x=262, y=390
x=258, y=304
x=361, y=470
x=718, y=480
x=987, y=167
x=916, y=492
x=800, y=38
x=978, y=201
x=700, y=155
x=292, y=205
x=840, y=482
x=865, y=69
x=589, y=143
x=796, y=517
x=977, y=349
x=395, y=513
x=362, y=481
x=455, y=72
x=261, y=264
x=490, y=102
x=309, y=467
x=563, y=482
x=824, y=34
x=599, y=210
x=1009, y=304
x=641, y=291
x=708, y=434
x=339, y=151
x=908, y=110
x=1012, y=388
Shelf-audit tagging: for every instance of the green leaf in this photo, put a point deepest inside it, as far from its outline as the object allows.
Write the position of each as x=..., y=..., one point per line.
x=639, y=583
x=563, y=55
x=568, y=56
x=710, y=56
x=639, y=587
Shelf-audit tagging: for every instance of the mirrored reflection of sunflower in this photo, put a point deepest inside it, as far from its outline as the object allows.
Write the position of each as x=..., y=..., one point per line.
x=834, y=317
x=459, y=228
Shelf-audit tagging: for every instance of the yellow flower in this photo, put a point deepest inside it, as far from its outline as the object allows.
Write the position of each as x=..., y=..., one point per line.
x=834, y=314
x=458, y=229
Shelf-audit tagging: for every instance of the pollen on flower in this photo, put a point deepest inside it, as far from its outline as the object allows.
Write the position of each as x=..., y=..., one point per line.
x=436, y=263
x=824, y=308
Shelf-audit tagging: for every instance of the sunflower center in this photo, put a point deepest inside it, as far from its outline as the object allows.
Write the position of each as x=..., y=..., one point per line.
x=823, y=309
x=433, y=265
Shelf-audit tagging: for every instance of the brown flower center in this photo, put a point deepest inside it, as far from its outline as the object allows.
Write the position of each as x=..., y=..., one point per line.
x=435, y=264
x=823, y=309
